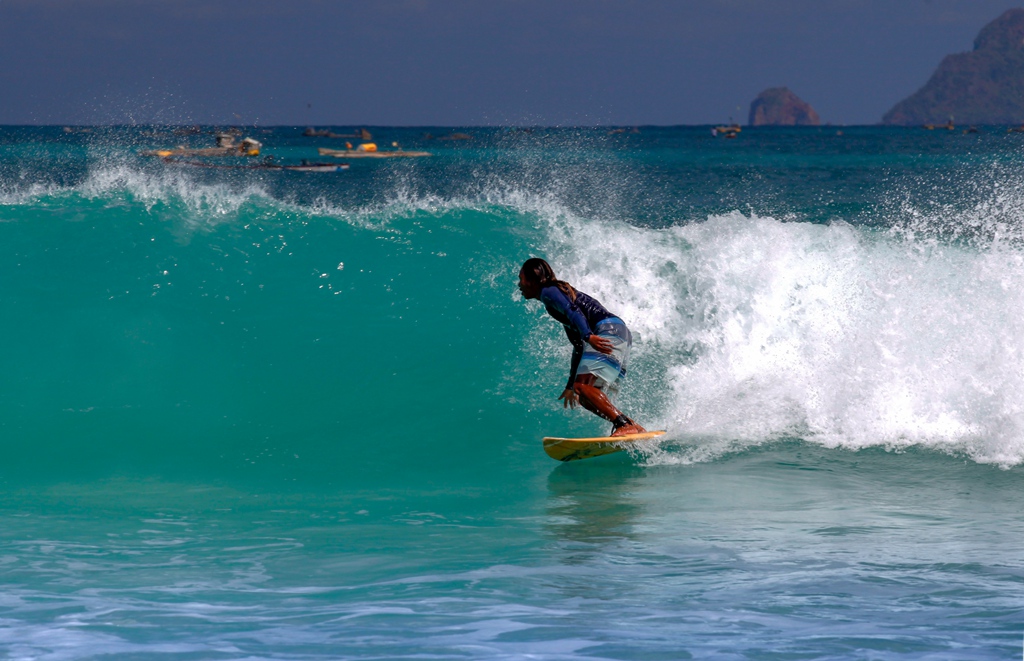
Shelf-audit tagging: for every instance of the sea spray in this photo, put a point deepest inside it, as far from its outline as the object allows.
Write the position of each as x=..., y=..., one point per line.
x=838, y=335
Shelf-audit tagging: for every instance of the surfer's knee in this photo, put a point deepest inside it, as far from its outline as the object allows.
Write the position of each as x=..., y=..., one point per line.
x=583, y=383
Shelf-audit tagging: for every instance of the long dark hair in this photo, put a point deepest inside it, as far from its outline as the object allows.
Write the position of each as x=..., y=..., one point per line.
x=539, y=272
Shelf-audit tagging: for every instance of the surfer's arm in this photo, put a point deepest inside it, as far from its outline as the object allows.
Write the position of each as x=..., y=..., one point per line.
x=569, y=397
x=554, y=298
x=577, y=354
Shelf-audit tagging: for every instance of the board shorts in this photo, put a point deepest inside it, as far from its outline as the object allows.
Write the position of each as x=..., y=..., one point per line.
x=608, y=369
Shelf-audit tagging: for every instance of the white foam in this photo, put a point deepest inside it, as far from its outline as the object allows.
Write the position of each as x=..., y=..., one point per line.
x=11, y=195
x=844, y=336
x=203, y=203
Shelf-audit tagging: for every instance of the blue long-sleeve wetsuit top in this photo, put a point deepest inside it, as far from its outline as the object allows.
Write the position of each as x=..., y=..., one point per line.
x=578, y=318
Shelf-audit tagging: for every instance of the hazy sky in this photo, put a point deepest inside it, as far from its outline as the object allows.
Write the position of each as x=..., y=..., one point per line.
x=468, y=62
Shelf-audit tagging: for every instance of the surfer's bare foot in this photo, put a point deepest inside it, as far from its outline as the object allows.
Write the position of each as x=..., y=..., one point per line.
x=628, y=429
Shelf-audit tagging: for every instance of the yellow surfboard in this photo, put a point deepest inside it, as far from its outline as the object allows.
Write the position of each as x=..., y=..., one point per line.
x=571, y=449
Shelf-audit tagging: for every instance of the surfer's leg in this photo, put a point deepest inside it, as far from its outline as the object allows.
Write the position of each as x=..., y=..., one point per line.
x=599, y=371
x=594, y=400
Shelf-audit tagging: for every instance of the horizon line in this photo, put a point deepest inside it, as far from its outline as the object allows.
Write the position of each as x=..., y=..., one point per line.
x=484, y=126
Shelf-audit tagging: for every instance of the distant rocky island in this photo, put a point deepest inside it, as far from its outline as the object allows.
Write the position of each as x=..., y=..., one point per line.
x=984, y=86
x=777, y=106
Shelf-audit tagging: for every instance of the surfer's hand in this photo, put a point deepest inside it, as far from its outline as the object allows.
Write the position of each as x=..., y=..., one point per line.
x=600, y=343
x=571, y=399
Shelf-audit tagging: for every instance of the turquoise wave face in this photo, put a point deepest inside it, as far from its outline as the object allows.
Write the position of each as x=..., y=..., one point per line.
x=277, y=340
x=367, y=323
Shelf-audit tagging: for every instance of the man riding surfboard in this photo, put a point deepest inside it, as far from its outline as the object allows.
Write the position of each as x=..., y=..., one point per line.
x=600, y=341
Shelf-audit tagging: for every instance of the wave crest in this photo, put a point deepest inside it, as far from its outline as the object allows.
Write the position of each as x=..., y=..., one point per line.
x=755, y=329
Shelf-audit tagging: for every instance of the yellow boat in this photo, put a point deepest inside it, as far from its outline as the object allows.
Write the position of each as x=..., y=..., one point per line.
x=361, y=153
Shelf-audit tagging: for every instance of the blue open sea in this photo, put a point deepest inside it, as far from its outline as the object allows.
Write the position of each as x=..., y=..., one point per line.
x=251, y=414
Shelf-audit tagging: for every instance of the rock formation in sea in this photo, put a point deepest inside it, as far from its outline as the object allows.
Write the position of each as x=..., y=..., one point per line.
x=984, y=86
x=777, y=106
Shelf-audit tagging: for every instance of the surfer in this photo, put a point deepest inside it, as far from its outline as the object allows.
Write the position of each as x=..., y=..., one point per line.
x=596, y=368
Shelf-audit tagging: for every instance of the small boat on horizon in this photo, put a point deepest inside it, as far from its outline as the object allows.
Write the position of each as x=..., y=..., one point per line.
x=370, y=153
x=269, y=164
x=730, y=131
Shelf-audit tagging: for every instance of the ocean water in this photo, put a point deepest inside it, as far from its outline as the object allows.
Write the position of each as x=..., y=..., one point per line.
x=276, y=415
